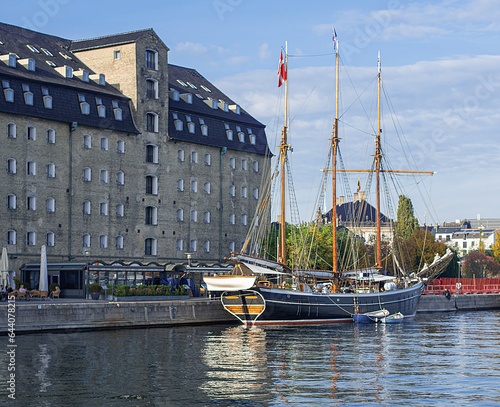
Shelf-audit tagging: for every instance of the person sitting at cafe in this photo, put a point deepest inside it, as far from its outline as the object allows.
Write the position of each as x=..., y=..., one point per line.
x=9, y=289
x=22, y=289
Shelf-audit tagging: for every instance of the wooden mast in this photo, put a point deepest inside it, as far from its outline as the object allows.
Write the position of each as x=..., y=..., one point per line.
x=378, y=156
x=335, y=140
x=283, y=152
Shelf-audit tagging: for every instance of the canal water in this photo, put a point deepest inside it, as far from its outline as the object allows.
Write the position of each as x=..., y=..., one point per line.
x=435, y=359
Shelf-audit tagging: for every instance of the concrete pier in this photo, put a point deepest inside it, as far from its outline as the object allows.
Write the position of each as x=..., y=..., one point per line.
x=462, y=302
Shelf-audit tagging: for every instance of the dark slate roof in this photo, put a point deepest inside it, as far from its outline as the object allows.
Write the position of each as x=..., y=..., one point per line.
x=111, y=40
x=64, y=91
x=357, y=212
x=215, y=119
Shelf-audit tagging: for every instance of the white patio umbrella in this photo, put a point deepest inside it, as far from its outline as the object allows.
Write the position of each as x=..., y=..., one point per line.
x=44, y=279
x=4, y=268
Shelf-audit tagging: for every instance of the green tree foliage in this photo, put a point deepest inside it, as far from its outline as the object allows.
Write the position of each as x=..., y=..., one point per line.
x=495, y=248
x=406, y=222
x=479, y=265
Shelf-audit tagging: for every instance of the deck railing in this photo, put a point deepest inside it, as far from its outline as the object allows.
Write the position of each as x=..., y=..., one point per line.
x=464, y=286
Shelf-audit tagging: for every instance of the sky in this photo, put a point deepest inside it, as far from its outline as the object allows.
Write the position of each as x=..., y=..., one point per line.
x=440, y=71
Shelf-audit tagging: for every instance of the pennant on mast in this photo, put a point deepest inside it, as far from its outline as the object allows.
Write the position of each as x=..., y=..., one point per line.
x=335, y=43
x=281, y=71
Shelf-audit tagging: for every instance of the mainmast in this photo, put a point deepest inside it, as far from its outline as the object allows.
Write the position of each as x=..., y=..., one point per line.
x=335, y=140
x=378, y=157
x=282, y=73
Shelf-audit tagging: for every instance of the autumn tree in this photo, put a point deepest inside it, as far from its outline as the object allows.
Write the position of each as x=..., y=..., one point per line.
x=406, y=222
x=495, y=248
x=479, y=265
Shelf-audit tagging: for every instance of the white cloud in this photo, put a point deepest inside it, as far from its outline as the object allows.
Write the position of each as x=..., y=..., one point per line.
x=191, y=47
x=264, y=52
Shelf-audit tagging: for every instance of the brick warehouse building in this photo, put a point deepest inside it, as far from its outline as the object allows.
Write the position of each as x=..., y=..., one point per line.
x=109, y=150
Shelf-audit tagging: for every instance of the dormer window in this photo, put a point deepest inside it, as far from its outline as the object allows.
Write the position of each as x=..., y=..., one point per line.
x=235, y=109
x=84, y=106
x=28, y=63
x=151, y=59
x=117, y=111
x=28, y=96
x=100, y=79
x=229, y=134
x=8, y=91
x=252, y=139
x=101, y=109
x=241, y=137
x=187, y=97
x=65, y=71
x=47, y=99
x=175, y=95
x=12, y=60
x=212, y=103
x=82, y=74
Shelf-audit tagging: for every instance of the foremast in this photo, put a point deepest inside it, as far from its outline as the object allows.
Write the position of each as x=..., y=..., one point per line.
x=335, y=141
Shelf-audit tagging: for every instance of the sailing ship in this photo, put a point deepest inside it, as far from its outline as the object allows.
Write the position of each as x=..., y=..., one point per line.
x=265, y=292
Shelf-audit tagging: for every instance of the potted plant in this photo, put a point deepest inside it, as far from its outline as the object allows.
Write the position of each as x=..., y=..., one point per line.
x=95, y=290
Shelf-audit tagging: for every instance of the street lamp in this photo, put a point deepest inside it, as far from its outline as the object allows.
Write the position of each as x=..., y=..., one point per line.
x=87, y=254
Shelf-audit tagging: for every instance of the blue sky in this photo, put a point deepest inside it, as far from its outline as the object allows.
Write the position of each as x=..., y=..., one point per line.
x=441, y=70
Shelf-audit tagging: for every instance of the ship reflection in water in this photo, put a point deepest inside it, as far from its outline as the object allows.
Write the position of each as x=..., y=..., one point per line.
x=436, y=359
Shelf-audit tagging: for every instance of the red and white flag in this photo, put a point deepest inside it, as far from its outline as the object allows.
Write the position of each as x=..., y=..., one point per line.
x=281, y=71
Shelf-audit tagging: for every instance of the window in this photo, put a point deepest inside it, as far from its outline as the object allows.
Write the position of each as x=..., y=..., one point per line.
x=174, y=94
x=232, y=190
x=194, y=215
x=50, y=239
x=120, y=178
x=151, y=215
x=232, y=163
x=84, y=106
x=11, y=201
x=150, y=247
x=229, y=134
x=120, y=210
x=86, y=207
x=192, y=245
x=103, y=241
x=31, y=238
x=252, y=139
x=104, y=176
x=151, y=89
x=117, y=111
x=231, y=219
x=151, y=185
x=117, y=54
x=180, y=215
x=231, y=247
x=256, y=166
x=51, y=136
x=104, y=143
x=241, y=137
x=152, y=122
x=51, y=170
x=11, y=166
x=243, y=191
x=47, y=52
x=204, y=130
x=206, y=187
x=101, y=111
x=31, y=168
x=256, y=193
x=8, y=91
x=180, y=185
x=180, y=155
x=28, y=96
x=194, y=157
x=206, y=217
x=208, y=159
x=194, y=186
x=119, y=242
x=180, y=245
x=206, y=246
x=87, y=141
x=31, y=133
x=152, y=154
x=120, y=146
x=178, y=124
x=151, y=59
x=86, y=240
x=244, y=220
x=103, y=209
x=31, y=203
x=244, y=165
x=11, y=130
x=51, y=205
x=191, y=127
x=87, y=174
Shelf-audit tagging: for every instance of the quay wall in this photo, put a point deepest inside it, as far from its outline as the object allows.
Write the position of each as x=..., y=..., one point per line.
x=463, y=302
x=61, y=315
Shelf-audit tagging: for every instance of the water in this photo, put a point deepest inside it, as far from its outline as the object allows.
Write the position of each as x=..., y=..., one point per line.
x=436, y=359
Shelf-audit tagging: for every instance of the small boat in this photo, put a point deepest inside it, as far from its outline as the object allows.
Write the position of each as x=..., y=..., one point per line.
x=393, y=319
x=230, y=283
x=373, y=316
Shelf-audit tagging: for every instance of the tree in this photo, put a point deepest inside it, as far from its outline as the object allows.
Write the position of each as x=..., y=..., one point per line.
x=479, y=265
x=495, y=248
x=406, y=222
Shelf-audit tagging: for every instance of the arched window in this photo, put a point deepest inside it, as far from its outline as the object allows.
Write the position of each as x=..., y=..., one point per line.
x=86, y=240
x=231, y=247
x=243, y=191
x=87, y=141
x=120, y=146
x=50, y=239
x=194, y=215
x=150, y=247
x=11, y=201
x=256, y=166
x=208, y=159
x=51, y=170
x=86, y=207
x=87, y=174
x=151, y=89
x=51, y=136
x=244, y=164
x=152, y=184
x=120, y=178
x=244, y=220
x=194, y=157
x=103, y=209
x=104, y=143
x=151, y=59
x=231, y=219
x=120, y=210
x=180, y=245
x=152, y=154
x=206, y=246
x=206, y=217
x=152, y=122
x=51, y=204
x=11, y=237
x=31, y=133
x=194, y=186
x=180, y=185
x=31, y=168
x=180, y=215
x=119, y=242
x=11, y=130
x=104, y=176
x=192, y=246
x=232, y=190
x=256, y=193
x=151, y=217
x=31, y=238
x=103, y=241
x=31, y=203
x=180, y=155
x=207, y=187
x=11, y=166
x=232, y=163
